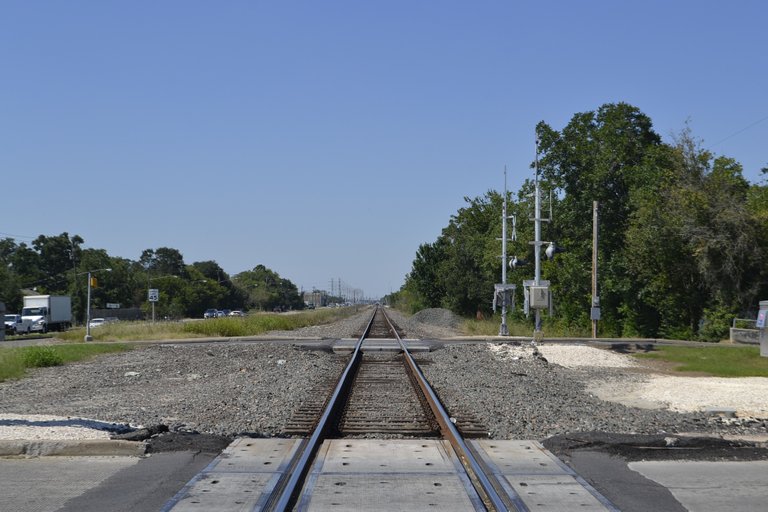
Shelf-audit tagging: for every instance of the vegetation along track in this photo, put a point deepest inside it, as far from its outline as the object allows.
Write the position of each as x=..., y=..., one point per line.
x=381, y=394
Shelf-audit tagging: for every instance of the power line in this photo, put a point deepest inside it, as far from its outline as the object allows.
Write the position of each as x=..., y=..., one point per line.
x=740, y=131
x=17, y=236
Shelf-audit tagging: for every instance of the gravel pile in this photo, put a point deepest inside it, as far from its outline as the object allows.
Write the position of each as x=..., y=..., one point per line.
x=520, y=396
x=232, y=388
x=222, y=389
x=431, y=323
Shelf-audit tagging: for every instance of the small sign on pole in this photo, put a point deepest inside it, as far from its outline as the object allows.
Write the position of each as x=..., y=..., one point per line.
x=113, y=305
x=154, y=295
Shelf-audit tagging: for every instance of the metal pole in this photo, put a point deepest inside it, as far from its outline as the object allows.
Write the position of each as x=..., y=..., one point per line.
x=504, y=330
x=88, y=336
x=537, y=239
x=595, y=298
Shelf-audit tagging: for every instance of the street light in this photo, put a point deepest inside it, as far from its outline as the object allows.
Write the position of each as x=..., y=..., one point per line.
x=88, y=336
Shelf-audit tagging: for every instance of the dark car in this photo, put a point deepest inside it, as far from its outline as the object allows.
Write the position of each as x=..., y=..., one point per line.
x=210, y=313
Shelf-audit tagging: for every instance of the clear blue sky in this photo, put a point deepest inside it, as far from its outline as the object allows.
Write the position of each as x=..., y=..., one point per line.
x=329, y=139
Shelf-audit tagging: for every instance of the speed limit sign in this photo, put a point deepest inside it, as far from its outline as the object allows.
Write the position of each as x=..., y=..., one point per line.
x=154, y=295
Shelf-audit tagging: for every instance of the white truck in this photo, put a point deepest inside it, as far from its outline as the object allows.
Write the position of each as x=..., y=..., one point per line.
x=15, y=324
x=47, y=312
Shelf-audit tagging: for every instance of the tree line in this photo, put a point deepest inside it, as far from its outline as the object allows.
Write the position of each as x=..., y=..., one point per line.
x=683, y=235
x=58, y=265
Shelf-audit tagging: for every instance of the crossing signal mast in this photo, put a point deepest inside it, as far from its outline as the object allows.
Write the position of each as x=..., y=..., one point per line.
x=502, y=290
x=536, y=292
x=537, y=295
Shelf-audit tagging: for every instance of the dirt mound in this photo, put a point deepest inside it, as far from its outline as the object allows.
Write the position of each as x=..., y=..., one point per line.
x=438, y=317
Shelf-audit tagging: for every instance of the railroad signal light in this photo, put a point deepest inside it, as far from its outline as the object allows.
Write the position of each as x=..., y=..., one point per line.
x=516, y=262
x=553, y=249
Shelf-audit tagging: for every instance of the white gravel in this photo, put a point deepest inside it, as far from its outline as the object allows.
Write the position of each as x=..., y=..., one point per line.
x=746, y=395
x=35, y=427
x=569, y=356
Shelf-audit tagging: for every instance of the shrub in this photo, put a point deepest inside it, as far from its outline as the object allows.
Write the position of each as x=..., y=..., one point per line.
x=41, y=356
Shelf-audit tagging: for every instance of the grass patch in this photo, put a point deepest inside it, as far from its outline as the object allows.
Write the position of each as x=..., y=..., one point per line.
x=14, y=362
x=717, y=361
x=251, y=325
x=260, y=323
x=490, y=327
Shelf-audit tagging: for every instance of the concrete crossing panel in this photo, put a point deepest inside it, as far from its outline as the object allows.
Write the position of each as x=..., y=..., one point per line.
x=533, y=476
x=376, y=475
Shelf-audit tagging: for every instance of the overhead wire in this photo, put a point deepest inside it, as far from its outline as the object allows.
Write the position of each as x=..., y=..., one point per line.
x=11, y=235
x=740, y=131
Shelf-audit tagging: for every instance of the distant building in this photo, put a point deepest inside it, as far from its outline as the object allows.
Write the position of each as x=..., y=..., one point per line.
x=317, y=298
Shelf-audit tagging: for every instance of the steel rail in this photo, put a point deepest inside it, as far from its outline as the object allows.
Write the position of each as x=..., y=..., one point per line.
x=449, y=430
x=290, y=491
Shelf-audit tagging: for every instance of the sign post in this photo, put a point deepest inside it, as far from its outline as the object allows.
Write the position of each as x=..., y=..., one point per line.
x=153, y=296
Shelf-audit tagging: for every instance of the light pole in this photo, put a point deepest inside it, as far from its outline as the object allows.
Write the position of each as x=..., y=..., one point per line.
x=88, y=336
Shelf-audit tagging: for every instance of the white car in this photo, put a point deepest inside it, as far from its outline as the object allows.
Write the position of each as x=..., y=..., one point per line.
x=96, y=322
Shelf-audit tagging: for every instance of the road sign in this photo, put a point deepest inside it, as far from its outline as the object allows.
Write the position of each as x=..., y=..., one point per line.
x=112, y=305
x=154, y=295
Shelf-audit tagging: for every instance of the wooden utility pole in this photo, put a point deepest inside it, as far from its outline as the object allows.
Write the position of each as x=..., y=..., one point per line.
x=595, y=312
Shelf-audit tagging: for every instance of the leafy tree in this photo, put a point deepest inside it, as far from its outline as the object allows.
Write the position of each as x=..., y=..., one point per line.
x=57, y=257
x=458, y=270
x=601, y=156
x=163, y=261
x=267, y=291
x=424, y=278
x=683, y=236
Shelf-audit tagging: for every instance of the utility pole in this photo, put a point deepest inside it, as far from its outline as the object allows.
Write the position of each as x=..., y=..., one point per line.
x=595, y=311
x=501, y=290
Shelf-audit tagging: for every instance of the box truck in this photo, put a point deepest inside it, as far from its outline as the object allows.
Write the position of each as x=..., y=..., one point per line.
x=47, y=312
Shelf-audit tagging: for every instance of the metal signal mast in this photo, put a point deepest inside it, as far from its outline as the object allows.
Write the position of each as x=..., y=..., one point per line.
x=501, y=290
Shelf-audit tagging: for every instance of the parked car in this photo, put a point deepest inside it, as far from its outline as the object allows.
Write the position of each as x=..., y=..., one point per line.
x=15, y=324
x=96, y=322
x=236, y=313
x=210, y=313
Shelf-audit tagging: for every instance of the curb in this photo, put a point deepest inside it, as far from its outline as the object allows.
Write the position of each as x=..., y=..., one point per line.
x=71, y=448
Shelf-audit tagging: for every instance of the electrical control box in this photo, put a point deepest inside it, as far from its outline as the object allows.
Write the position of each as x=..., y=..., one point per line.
x=539, y=297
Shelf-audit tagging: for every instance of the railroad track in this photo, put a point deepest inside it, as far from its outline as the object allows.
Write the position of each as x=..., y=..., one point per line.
x=382, y=394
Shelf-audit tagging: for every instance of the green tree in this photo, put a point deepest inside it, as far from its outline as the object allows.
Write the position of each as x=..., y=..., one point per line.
x=267, y=291
x=599, y=156
x=458, y=270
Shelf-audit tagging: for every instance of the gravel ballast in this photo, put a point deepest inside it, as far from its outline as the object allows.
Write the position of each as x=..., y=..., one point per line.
x=231, y=388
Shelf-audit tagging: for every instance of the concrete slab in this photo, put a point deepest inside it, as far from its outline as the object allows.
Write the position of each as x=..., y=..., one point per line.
x=224, y=492
x=390, y=456
x=550, y=493
x=711, y=486
x=240, y=479
x=385, y=493
x=70, y=447
x=531, y=474
x=375, y=475
x=519, y=457
x=344, y=346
